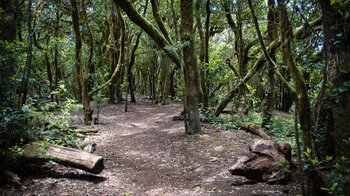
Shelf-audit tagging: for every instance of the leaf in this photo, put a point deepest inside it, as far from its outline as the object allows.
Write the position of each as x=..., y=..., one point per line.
x=342, y=89
x=329, y=158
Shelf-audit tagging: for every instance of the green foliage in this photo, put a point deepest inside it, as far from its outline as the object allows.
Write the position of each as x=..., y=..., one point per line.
x=338, y=172
x=281, y=128
x=35, y=121
x=13, y=127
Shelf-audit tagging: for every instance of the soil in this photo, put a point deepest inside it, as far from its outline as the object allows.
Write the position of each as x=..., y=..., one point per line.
x=146, y=152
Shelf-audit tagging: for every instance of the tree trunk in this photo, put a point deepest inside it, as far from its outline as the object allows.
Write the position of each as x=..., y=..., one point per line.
x=131, y=63
x=78, y=44
x=113, y=53
x=269, y=99
x=164, y=80
x=172, y=92
x=191, y=71
x=336, y=28
x=203, y=52
x=27, y=73
x=57, y=71
x=48, y=69
x=304, y=110
x=8, y=23
x=86, y=87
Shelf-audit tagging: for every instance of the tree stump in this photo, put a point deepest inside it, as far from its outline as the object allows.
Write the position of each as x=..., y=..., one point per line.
x=266, y=162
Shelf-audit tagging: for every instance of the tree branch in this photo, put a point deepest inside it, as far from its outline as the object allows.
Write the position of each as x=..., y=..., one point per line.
x=145, y=25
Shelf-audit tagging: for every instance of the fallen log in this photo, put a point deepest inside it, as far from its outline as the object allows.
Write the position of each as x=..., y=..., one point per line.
x=36, y=152
x=250, y=127
x=85, y=131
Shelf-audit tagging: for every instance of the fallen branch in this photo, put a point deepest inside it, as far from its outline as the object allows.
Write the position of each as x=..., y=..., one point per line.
x=257, y=130
x=36, y=152
x=84, y=131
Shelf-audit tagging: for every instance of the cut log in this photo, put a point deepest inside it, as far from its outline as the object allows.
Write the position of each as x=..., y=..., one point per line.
x=257, y=130
x=36, y=152
x=84, y=131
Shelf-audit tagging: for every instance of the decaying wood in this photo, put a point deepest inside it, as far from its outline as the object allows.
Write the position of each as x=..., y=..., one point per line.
x=267, y=162
x=84, y=131
x=257, y=130
x=36, y=152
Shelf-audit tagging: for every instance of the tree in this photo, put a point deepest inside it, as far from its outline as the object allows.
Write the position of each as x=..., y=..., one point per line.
x=335, y=107
x=83, y=72
x=191, y=71
x=8, y=22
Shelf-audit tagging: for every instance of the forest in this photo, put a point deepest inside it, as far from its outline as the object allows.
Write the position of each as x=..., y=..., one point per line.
x=175, y=97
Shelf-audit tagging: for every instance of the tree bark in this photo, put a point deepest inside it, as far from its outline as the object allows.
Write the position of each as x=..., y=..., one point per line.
x=8, y=23
x=27, y=73
x=191, y=71
x=48, y=68
x=203, y=51
x=304, y=110
x=336, y=28
x=78, y=44
x=269, y=99
x=57, y=71
x=131, y=63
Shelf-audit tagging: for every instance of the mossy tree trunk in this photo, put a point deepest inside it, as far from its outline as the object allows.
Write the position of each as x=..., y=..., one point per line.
x=86, y=87
x=203, y=51
x=163, y=90
x=302, y=98
x=269, y=99
x=191, y=71
x=129, y=69
x=336, y=29
x=83, y=72
x=28, y=66
x=78, y=43
x=113, y=50
x=56, y=56
x=8, y=22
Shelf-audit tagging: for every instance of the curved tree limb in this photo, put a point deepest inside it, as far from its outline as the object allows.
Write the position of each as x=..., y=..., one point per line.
x=145, y=25
x=159, y=21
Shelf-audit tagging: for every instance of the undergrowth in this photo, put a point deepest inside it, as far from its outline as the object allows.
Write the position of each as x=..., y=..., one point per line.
x=281, y=129
x=34, y=121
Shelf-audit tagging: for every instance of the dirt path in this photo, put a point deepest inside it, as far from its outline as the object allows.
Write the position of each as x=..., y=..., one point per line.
x=147, y=153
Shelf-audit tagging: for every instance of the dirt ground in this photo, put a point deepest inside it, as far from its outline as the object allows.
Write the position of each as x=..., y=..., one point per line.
x=146, y=152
